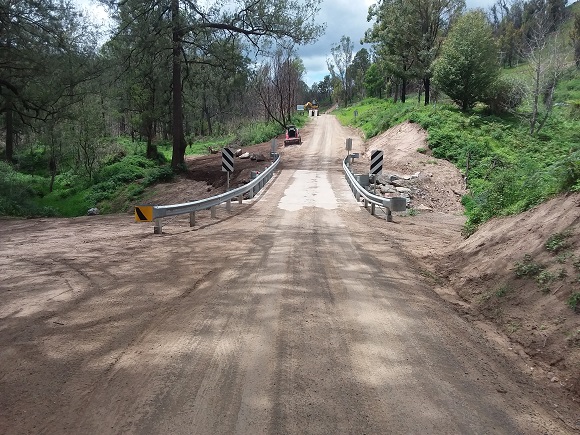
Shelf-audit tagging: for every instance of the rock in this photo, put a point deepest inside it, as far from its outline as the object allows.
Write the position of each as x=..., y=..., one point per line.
x=387, y=188
x=258, y=157
x=423, y=207
x=245, y=155
x=93, y=211
x=555, y=379
x=403, y=190
x=238, y=152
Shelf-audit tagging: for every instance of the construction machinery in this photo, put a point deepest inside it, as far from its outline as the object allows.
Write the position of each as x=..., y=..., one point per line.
x=292, y=136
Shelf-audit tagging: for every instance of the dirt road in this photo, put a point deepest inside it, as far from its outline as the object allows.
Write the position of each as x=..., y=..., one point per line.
x=299, y=315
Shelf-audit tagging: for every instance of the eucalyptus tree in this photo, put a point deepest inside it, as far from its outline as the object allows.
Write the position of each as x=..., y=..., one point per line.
x=191, y=22
x=575, y=38
x=393, y=35
x=215, y=81
x=433, y=19
x=357, y=71
x=374, y=81
x=546, y=61
x=407, y=35
x=278, y=84
x=340, y=63
x=139, y=58
x=320, y=91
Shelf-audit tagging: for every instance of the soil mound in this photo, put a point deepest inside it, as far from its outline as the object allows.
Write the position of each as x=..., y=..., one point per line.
x=522, y=272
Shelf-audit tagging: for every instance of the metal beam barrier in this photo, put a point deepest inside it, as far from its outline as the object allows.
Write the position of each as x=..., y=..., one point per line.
x=389, y=204
x=162, y=211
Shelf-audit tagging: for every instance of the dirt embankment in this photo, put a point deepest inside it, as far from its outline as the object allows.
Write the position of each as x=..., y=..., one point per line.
x=517, y=276
x=522, y=273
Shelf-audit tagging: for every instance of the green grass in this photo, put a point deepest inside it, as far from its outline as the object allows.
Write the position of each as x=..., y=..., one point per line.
x=509, y=170
x=119, y=179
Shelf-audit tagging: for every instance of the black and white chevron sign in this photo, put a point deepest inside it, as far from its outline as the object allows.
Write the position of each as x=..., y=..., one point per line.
x=376, y=162
x=227, y=160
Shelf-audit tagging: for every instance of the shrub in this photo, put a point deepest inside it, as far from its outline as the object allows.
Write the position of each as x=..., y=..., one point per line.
x=557, y=242
x=574, y=301
x=506, y=94
x=527, y=267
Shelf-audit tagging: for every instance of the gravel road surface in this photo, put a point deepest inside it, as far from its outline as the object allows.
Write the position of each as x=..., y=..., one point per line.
x=298, y=315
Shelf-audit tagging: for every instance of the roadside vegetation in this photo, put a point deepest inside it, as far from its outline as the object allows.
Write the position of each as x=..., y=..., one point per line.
x=506, y=169
x=119, y=177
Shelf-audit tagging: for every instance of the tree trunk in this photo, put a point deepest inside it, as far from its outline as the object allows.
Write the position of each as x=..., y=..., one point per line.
x=178, y=155
x=403, y=89
x=52, y=169
x=535, y=103
x=9, y=133
x=207, y=115
x=427, y=86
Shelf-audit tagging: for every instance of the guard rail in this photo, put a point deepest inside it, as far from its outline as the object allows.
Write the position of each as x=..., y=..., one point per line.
x=390, y=204
x=158, y=212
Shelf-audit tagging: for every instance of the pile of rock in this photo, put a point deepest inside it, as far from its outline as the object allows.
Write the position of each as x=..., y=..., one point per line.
x=390, y=185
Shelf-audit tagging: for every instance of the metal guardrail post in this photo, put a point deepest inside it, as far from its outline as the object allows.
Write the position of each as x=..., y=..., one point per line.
x=192, y=219
x=157, y=229
x=390, y=204
x=213, y=212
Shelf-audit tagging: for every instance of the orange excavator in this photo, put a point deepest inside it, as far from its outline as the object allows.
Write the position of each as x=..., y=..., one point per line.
x=311, y=105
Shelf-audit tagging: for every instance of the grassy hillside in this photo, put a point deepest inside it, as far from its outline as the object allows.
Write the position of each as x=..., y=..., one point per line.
x=507, y=169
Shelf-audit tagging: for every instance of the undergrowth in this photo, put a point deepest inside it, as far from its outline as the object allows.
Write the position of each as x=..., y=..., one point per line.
x=117, y=178
x=507, y=170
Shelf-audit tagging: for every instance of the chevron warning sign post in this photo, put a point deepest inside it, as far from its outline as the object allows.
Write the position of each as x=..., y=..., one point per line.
x=227, y=160
x=227, y=164
x=143, y=213
x=376, y=162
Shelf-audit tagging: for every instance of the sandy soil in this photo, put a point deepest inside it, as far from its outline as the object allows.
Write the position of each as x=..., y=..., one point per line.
x=296, y=312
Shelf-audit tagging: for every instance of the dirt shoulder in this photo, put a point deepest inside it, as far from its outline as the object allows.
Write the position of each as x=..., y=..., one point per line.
x=514, y=277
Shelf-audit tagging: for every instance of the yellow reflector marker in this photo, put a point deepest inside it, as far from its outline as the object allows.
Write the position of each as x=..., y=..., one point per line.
x=143, y=213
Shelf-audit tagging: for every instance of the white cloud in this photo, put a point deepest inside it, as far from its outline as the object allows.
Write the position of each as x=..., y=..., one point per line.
x=348, y=18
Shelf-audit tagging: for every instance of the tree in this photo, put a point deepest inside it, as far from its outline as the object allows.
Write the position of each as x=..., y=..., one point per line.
x=278, y=82
x=432, y=18
x=42, y=42
x=407, y=36
x=139, y=57
x=468, y=63
x=190, y=22
x=575, y=39
x=321, y=91
x=339, y=65
x=546, y=60
x=374, y=81
x=357, y=70
x=393, y=36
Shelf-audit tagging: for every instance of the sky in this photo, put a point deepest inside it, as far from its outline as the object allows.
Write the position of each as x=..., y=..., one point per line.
x=348, y=18
x=342, y=17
